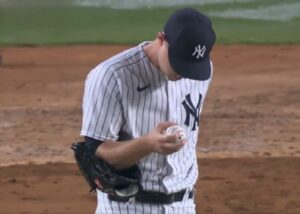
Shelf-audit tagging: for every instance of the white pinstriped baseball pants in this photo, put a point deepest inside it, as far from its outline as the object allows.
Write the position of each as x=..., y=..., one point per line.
x=106, y=206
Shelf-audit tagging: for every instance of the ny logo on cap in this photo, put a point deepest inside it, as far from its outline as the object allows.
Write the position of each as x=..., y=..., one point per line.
x=199, y=51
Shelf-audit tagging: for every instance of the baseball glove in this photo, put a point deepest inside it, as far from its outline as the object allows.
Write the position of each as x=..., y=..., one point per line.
x=118, y=184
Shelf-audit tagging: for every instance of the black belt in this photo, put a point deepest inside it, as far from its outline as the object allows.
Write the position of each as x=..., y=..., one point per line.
x=158, y=197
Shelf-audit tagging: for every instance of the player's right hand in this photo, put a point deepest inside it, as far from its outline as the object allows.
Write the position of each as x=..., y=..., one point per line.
x=160, y=142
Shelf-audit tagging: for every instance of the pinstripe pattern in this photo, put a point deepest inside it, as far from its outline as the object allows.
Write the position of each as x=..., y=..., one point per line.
x=112, y=104
x=105, y=206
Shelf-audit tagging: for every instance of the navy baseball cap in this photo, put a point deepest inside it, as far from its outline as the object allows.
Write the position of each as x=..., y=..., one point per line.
x=190, y=37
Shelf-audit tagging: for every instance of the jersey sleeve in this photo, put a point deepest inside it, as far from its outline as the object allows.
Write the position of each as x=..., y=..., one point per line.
x=102, y=109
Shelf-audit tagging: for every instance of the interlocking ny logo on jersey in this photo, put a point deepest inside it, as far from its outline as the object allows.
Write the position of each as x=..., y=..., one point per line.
x=199, y=51
x=192, y=111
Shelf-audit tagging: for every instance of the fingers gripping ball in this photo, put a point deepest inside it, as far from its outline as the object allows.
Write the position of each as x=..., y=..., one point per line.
x=181, y=136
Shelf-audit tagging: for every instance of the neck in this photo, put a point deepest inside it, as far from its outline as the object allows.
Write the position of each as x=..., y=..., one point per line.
x=152, y=53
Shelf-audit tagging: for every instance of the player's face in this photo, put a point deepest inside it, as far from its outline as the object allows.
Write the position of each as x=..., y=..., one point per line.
x=164, y=63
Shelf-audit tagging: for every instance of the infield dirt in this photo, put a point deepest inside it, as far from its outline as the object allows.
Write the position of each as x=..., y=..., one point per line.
x=248, y=150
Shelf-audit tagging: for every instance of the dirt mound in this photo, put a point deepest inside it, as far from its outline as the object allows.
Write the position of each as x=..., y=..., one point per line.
x=244, y=185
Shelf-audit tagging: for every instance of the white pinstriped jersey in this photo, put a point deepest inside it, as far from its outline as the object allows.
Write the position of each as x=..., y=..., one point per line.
x=125, y=97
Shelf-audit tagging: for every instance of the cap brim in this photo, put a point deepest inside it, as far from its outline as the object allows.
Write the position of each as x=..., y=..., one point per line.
x=191, y=70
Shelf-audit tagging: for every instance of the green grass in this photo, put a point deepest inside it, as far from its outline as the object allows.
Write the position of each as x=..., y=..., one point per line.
x=66, y=25
x=54, y=24
x=257, y=32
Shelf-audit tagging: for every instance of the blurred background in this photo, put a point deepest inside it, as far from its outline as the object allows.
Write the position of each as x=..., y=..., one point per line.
x=130, y=21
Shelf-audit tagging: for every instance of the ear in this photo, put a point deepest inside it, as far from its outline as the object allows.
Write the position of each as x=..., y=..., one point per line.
x=161, y=37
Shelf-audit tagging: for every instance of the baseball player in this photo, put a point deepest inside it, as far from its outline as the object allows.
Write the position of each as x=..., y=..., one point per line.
x=132, y=98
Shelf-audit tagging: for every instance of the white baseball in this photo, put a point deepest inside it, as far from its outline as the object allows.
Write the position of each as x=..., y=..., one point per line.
x=176, y=129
